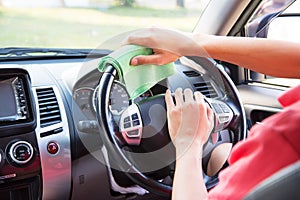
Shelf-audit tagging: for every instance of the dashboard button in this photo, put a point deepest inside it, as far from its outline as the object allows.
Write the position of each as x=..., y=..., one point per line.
x=21, y=152
x=52, y=148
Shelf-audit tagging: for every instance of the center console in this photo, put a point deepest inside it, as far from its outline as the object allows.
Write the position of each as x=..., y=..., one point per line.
x=20, y=168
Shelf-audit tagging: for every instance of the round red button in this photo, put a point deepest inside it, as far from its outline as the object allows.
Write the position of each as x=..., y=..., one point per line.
x=52, y=147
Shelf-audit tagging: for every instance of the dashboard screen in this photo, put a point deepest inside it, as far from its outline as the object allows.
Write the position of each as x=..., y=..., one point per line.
x=8, y=107
x=12, y=100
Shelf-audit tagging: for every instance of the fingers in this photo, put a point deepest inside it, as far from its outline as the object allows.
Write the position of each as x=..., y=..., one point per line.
x=178, y=97
x=188, y=95
x=209, y=113
x=159, y=57
x=149, y=59
x=210, y=116
x=169, y=100
x=198, y=97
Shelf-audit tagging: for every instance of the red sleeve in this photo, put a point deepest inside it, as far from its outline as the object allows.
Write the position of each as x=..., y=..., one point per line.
x=271, y=146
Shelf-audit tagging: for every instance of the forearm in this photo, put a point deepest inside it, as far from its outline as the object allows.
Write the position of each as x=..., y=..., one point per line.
x=271, y=57
x=188, y=181
x=275, y=58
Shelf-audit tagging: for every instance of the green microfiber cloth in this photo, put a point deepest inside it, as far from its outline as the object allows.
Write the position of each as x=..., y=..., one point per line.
x=137, y=79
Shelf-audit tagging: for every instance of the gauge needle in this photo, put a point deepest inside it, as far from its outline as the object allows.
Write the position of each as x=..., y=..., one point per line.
x=116, y=112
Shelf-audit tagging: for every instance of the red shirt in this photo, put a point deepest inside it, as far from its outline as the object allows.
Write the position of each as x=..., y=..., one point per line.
x=271, y=145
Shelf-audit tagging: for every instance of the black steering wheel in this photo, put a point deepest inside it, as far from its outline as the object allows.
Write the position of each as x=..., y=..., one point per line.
x=141, y=147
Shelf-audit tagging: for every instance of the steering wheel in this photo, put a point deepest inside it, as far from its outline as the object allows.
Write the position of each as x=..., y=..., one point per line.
x=141, y=147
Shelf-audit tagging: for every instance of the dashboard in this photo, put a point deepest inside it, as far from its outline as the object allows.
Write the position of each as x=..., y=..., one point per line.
x=85, y=98
x=50, y=144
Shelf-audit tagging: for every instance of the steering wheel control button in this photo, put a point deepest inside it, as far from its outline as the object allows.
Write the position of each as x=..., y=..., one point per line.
x=131, y=125
x=223, y=119
x=136, y=123
x=134, y=116
x=127, y=125
x=217, y=108
x=225, y=108
x=223, y=114
x=126, y=119
x=52, y=148
x=133, y=133
x=21, y=152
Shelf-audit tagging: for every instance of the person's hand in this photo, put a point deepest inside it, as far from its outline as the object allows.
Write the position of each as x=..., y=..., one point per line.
x=159, y=57
x=168, y=45
x=190, y=120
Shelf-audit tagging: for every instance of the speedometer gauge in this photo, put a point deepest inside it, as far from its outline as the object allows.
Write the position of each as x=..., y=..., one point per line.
x=119, y=99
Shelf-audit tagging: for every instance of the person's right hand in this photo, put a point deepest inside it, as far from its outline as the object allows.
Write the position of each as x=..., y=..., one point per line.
x=168, y=45
x=190, y=120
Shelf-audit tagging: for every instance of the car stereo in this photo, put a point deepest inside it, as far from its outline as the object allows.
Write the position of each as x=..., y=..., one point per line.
x=16, y=102
x=12, y=100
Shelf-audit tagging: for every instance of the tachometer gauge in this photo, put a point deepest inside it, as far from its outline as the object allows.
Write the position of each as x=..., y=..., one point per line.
x=83, y=98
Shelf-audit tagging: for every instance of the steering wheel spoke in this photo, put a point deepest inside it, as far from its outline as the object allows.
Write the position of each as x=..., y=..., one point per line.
x=131, y=125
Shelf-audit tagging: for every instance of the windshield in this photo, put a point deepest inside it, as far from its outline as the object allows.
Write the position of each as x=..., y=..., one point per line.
x=88, y=23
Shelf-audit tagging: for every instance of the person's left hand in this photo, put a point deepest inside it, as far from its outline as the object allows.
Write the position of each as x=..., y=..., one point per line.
x=190, y=120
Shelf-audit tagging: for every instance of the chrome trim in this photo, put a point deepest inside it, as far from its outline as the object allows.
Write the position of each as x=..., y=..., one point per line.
x=8, y=176
x=56, y=169
x=12, y=151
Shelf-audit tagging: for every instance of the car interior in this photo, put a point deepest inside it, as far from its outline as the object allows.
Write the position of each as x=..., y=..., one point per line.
x=71, y=131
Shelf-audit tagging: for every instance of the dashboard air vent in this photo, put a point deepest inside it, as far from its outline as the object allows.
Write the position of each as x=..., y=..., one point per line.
x=48, y=106
x=191, y=73
x=206, y=89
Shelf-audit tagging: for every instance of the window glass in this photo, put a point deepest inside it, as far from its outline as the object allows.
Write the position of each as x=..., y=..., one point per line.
x=87, y=23
x=279, y=28
x=288, y=29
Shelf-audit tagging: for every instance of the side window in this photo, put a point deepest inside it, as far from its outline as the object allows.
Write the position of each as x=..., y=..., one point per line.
x=285, y=27
x=278, y=25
